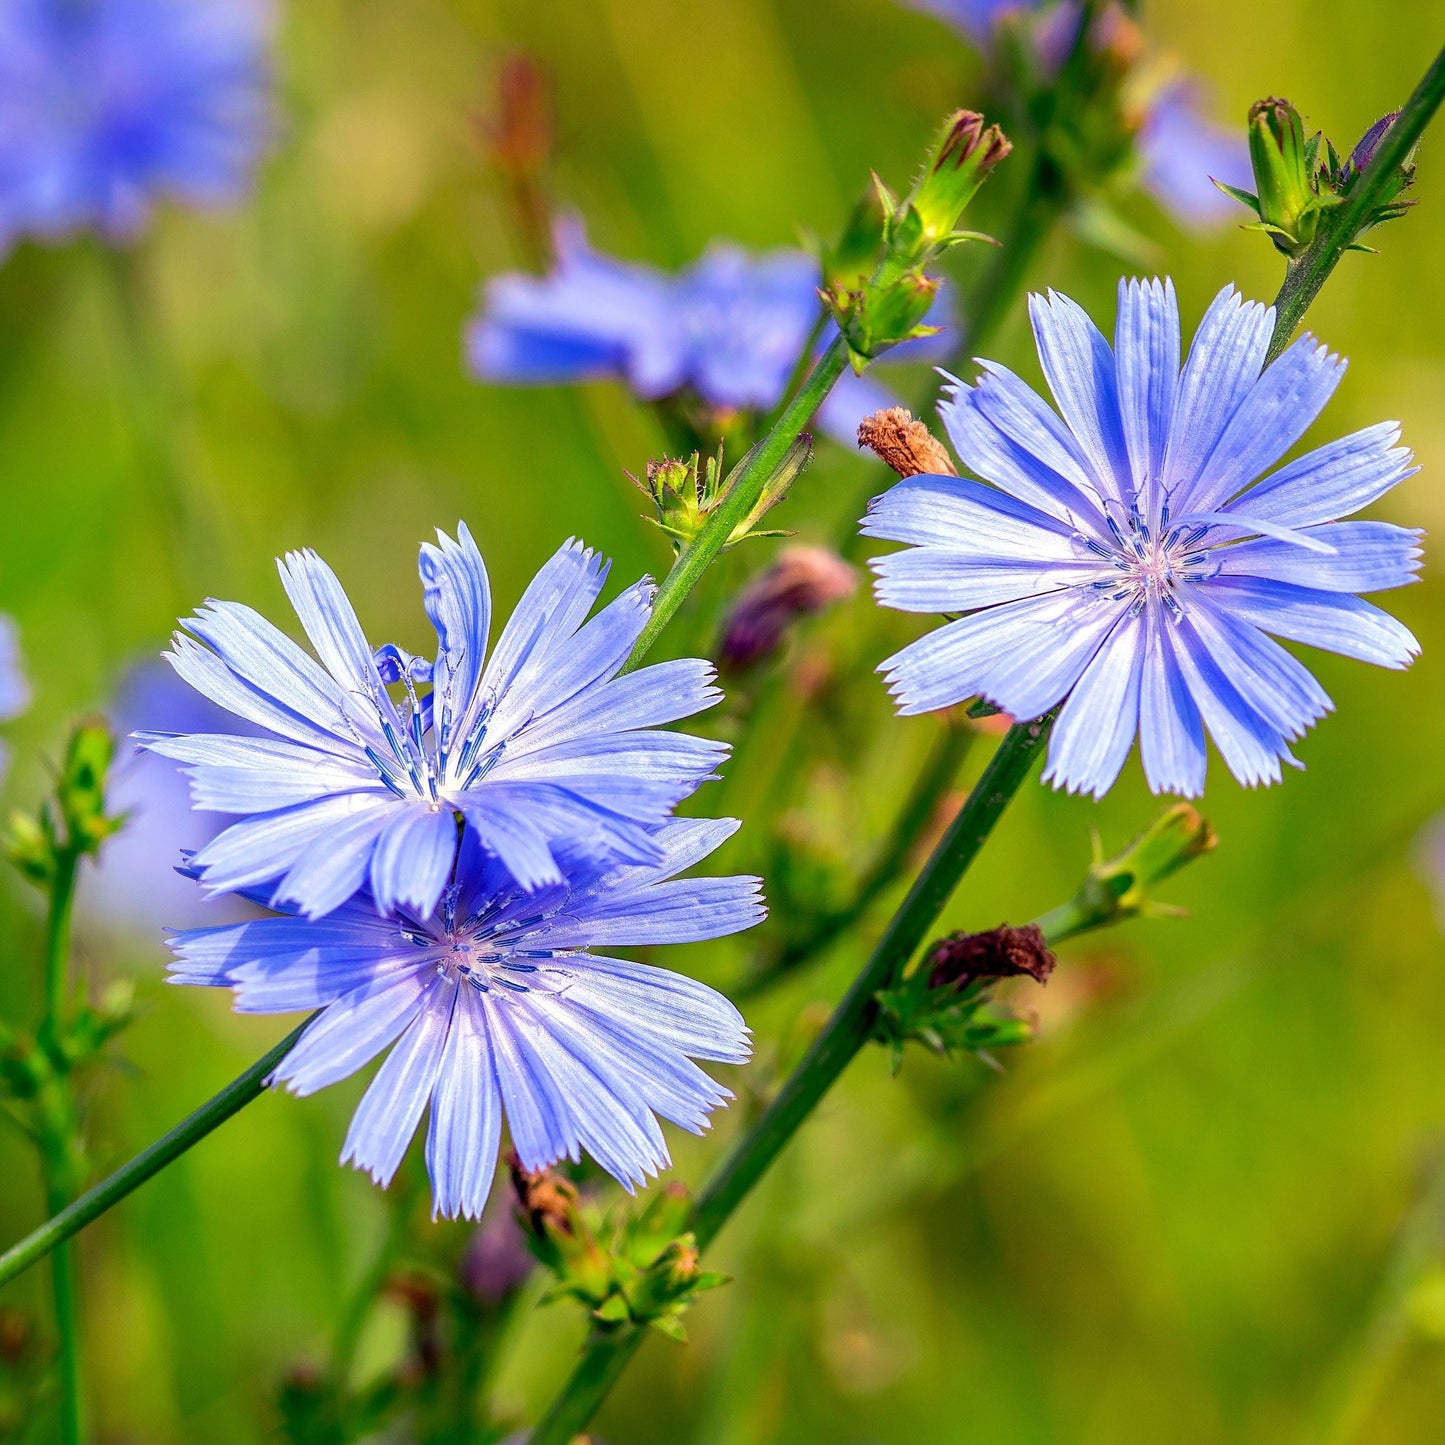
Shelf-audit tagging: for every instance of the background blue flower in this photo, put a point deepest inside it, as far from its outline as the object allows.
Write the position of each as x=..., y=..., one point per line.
x=108, y=105
x=730, y=327
x=14, y=689
x=1128, y=557
x=501, y=1006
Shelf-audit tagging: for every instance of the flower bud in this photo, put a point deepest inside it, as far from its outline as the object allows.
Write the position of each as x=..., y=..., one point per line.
x=801, y=582
x=905, y=443
x=1286, y=176
x=1369, y=143
x=967, y=150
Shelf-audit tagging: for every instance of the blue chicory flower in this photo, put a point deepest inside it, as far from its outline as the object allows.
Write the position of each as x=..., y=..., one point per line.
x=14, y=689
x=1128, y=559
x=498, y=1005
x=106, y=105
x=135, y=881
x=975, y=18
x=369, y=756
x=730, y=327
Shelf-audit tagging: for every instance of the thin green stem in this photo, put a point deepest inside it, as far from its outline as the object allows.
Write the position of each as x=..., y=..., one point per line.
x=1341, y=225
x=149, y=1162
x=67, y=1322
x=851, y=1026
x=57, y=942
x=743, y=492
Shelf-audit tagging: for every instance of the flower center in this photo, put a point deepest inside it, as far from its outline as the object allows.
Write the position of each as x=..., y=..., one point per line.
x=1150, y=564
x=491, y=956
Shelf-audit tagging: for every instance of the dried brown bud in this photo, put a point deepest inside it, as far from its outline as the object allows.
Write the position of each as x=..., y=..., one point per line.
x=1002, y=952
x=15, y=1334
x=802, y=581
x=544, y=1199
x=519, y=133
x=905, y=443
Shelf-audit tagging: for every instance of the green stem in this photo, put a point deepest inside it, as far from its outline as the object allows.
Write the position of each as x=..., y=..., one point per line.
x=67, y=1321
x=939, y=771
x=743, y=492
x=57, y=942
x=1340, y=226
x=851, y=1026
x=91, y=1205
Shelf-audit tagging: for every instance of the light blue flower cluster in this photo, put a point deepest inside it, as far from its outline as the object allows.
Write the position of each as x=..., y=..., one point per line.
x=449, y=839
x=107, y=105
x=1124, y=554
x=730, y=328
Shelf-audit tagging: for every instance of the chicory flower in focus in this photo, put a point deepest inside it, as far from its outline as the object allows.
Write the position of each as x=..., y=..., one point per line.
x=1127, y=560
x=503, y=1002
x=730, y=328
x=108, y=105
x=368, y=757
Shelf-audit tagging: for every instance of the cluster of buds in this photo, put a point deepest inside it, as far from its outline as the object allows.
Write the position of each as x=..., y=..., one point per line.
x=1299, y=180
x=876, y=283
x=686, y=491
x=73, y=823
x=626, y=1270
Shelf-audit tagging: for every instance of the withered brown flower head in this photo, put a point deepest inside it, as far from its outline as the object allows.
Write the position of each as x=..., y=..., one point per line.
x=1002, y=952
x=905, y=443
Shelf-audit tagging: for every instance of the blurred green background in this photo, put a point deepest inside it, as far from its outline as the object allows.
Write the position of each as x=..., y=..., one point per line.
x=1208, y=1205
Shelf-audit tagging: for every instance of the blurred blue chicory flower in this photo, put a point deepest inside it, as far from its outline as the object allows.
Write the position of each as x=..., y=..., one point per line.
x=498, y=1006
x=107, y=105
x=1128, y=559
x=14, y=689
x=353, y=784
x=730, y=327
x=134, y=881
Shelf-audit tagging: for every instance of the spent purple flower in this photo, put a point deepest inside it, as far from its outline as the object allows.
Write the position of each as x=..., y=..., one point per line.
x=730, y=328
x=108, y=105
x=498, y=1005
x=370, y=755
x=1128, y=561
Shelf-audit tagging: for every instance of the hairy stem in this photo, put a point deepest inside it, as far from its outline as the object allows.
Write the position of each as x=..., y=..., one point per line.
x=743, y=492
x=1340, y=225
x=849, y=1029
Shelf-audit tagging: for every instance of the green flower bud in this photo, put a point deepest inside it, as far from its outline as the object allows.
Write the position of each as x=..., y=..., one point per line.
x=1286, y=175
x=967, y=150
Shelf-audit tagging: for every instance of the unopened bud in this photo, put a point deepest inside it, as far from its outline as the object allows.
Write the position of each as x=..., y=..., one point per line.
x=1286, y=175
x=905, y=443
x=519, y=135
x=965, y=958
x=801, y=582
x=968, y=149
x=80, y=790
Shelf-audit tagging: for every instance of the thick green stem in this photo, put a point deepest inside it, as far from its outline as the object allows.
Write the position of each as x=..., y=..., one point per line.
x=742, y=494
x=1341, y=225
x=849, y=1029
x=91, y=1205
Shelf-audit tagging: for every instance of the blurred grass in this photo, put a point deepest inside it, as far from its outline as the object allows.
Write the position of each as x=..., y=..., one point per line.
x=1180, y=1215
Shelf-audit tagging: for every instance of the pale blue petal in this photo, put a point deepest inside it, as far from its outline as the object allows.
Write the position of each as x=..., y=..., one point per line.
x=413, y=857
x=232, y=774
x=940, y=579
x=1273, y=415
x=458, y=599
x=334, y=865
x=661, y=693
x=392, y=1105
x=1081, y=374
x=1334, y=621
x=1369, y=557
x=330, y=622
x=963, y=514
x=1171, y=731
x=1224, y=362
x=1098, y=723
x=466, y=1115
x=1332, y=481
x=1023, y=657
x=354, y=1030
x=542, y=1127
x=1146, y=348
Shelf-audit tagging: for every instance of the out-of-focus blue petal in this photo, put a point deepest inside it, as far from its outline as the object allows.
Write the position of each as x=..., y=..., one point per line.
x=1184, y=153
x=110, y=105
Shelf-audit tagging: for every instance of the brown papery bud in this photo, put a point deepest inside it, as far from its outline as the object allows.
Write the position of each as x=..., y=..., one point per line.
x=802, y=581
x=1002, y=952
x=905, y=443
x=544, y=1198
